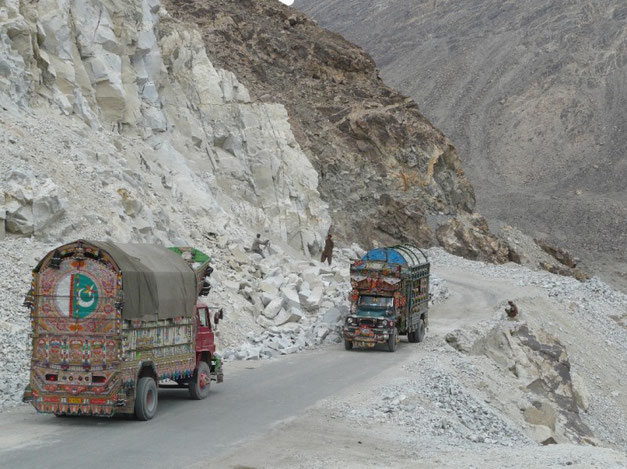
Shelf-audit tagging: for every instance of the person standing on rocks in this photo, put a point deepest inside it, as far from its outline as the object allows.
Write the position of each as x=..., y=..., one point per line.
x=257, y=243
x=327, y=252
x=512, y=310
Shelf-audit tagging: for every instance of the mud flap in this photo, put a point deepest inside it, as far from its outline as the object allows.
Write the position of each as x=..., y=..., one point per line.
x=28, y=394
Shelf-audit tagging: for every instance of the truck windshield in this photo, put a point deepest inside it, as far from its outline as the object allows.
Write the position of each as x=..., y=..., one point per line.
x=375, y=302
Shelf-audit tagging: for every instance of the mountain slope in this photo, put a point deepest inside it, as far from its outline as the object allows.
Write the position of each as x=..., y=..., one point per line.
x=384, y=169
x=532, y=94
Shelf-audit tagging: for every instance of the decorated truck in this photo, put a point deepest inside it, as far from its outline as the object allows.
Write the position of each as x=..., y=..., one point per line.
x=112, y=322
x=390, y=297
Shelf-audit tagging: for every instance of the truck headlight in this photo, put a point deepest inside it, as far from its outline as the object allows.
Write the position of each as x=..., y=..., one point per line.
x=349, y=320
x=382, y=323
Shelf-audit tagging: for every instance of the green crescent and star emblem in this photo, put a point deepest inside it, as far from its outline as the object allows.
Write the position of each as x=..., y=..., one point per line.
x=83, y=296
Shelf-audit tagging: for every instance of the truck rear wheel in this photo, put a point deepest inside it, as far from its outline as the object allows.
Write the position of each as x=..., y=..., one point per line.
x=146, y=398
x=201, y=382
x=392, y=341
x=411, y=337
x=348, y=345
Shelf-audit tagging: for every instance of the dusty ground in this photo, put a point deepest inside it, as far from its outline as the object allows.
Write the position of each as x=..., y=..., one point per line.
x=427, y=405
x=436, y=407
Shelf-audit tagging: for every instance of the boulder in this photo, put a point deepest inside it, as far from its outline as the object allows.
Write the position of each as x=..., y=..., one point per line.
x=541, y=413
x=291, y=297
x=559, y=254
x=540, y=433
x=285, y=316
x=266, y=298
x=333, y=315
x=273, y=308
x=268, y=287
x=276, y=280
x=231, y=285
x=239, y=254
x=264, y=322
x=311, y=275
x=359, y=252
x=312, y=302
x=582, y=395
x=30, y=204
x=468, y=236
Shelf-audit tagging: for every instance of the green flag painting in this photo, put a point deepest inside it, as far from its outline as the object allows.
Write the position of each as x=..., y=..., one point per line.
x=77, y=296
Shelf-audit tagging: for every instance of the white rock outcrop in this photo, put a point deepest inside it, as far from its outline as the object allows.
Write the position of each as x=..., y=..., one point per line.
x=30, y=204
x=126, y=69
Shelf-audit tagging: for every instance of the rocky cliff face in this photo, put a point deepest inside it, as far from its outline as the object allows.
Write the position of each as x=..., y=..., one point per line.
x=185, y=147
x=146, y=136
x=531, y=93
x=384, y=169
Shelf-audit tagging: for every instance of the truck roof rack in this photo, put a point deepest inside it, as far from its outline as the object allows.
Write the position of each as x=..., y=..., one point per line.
x=402, y=254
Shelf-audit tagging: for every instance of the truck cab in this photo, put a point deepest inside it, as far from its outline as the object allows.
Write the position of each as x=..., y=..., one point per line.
x=205, y=340
x=389, y=298
x=372, y=321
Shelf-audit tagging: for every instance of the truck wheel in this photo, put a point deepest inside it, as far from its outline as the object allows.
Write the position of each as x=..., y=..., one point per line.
x=201, y=381
x=411, y=337
x=420, y=332
x=392, y=342
x=348, y=345
x=146, y=398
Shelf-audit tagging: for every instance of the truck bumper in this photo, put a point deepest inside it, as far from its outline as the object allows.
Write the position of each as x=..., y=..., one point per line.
x=72, y=406
x=365, y=338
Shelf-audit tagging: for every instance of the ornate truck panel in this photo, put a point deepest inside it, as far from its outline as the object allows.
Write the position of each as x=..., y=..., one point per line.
x=76, y=320
x=168, y=345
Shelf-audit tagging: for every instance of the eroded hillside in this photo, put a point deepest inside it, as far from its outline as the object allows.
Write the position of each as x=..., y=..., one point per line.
x=383, y=167
x=532, y=95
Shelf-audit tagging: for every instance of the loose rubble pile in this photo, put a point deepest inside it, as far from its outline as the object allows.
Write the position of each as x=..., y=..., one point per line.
x=299, y=304
x=433, y=405
x=502, y=382
x=592, y=301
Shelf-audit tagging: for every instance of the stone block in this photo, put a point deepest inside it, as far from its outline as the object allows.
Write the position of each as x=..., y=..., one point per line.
x=290, y=315
x=266, y=298
x=268, y=287
x=291, y=297
x=582, y=395
x=239, y=254
x=540, y=413
x=273, y=308
x=312, y=302
x=540, y=433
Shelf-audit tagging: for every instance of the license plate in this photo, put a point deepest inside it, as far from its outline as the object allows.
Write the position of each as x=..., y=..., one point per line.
x=74, y=400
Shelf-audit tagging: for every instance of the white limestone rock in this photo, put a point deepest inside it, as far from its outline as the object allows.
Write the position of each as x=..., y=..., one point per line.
x=273, y=308
x=31, y=204
x=313, y=301
x=291, y=297
x=290, y=315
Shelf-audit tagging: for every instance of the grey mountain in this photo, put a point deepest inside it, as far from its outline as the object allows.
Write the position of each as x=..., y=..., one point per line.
x=534, y=96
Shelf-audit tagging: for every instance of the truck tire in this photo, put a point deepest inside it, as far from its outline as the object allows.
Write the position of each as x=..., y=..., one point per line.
x=411, y=337
x=420, y=332
x=392, y=342
x=146, y=398
x=348, y=345
x=201, y=382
